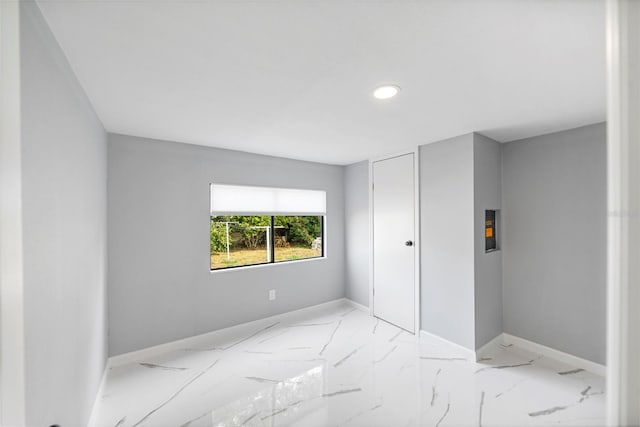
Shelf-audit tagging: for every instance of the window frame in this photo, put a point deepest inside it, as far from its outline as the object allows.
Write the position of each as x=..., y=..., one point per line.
x=272, y=247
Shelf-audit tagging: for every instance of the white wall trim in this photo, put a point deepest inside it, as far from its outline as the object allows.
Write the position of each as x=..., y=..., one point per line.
x=623, y=212
x=490, y=347
x=12, y=331
x=521, y=343
x=558, y=355
x=370, y=194
x=357, y=305
x=208, y=337
x=416, y=237
x=459, y=349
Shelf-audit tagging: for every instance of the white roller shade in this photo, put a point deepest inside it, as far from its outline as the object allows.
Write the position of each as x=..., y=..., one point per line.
x=244, y=200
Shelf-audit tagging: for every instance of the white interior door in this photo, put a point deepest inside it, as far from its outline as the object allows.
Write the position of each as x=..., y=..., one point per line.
x=393, y=241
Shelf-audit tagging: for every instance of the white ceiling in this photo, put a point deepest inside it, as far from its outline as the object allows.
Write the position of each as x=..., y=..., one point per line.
x=293, y=78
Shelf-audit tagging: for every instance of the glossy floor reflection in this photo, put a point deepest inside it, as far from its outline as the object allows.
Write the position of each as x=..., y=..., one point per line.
x=340, y=367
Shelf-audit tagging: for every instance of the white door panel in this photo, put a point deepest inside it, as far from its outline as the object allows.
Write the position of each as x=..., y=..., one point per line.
x=393, y=228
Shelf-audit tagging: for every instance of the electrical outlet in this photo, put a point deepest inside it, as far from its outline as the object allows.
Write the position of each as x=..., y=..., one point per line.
x=272, y=294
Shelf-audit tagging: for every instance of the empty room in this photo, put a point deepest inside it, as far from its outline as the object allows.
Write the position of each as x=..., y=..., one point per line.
x=319, y=213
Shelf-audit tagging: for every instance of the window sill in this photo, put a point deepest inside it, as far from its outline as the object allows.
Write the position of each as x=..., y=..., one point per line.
x=271, y=264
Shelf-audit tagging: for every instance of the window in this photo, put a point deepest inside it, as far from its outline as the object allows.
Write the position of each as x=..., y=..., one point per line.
x=261, y=225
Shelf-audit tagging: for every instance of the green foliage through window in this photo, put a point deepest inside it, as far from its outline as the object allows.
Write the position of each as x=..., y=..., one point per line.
x=218, y=237
x=247, y=240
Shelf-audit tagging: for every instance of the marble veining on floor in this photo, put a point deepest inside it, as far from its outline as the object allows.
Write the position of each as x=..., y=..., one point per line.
x=340, y=367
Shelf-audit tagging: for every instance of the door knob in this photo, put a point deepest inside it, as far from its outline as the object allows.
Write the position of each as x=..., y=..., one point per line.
x=408, y=243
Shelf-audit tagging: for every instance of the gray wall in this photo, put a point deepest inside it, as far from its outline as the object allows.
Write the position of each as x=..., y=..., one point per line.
x=160, y=286
x=64, y=206
x=554, y=211
x=488, y=266
x=356, y=205
x=447, y=230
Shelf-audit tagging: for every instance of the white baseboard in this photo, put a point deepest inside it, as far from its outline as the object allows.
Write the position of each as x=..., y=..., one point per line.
x=489, y=348
x=507, y=339
x=357, y=305
x=467, y=353
x=208, y=337
x=561, y=356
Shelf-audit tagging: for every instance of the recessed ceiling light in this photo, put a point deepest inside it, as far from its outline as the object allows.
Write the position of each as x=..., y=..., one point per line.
x=386, y=91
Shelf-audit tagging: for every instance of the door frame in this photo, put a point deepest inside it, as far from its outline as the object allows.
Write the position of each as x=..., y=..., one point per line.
x=623, y=221
x=12, y=329
x=416, y=237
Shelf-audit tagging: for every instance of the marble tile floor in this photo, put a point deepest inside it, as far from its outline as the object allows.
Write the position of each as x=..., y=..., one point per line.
x=340, y=367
